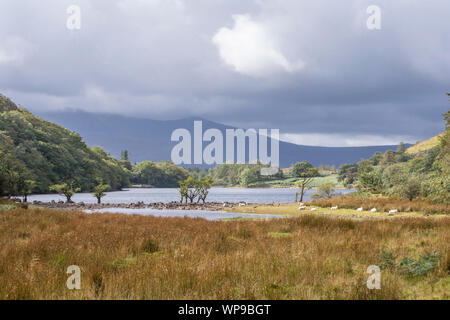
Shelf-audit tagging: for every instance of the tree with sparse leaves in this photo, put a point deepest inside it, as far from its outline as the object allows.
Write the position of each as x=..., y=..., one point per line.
x=25, y=187
x=65, y=189
x=204, y=186
x=305, y=181
x=99, y=190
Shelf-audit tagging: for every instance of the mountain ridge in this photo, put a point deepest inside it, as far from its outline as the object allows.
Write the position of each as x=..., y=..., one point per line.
x=148, y=139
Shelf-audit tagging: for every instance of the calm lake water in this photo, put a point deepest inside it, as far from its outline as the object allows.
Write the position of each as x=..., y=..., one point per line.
x=208, y=215
x=151, y=195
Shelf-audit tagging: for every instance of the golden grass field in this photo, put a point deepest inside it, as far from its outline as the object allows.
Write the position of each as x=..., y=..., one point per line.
x=143, y=257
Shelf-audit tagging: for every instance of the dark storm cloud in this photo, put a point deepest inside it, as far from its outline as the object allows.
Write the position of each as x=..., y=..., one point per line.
x=308, y=68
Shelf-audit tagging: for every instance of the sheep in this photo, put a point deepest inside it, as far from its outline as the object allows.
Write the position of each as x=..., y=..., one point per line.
x=313, y=209
x=391, y=212
x=242, y=204
x=373, y=210
x=301, y=204
x=302, y=208
x=334, y=208
x=359, y=209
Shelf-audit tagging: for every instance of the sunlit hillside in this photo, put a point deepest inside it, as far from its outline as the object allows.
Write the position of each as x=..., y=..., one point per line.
x=424, y=145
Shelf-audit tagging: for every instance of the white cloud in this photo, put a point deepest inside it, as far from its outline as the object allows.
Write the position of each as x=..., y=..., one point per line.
x=249, y=48
x=344, y=140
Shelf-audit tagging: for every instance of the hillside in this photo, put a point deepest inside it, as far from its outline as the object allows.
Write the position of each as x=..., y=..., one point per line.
x=35, y=149
x=418, y=172
x=148, y=139
x=424, y=145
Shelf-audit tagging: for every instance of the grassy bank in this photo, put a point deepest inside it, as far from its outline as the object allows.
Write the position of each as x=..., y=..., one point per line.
x=347, y=206
x=290, y=182
x=127, y=257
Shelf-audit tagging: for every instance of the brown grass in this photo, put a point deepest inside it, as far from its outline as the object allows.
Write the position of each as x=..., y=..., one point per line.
x=385, y=204
x=138, y=257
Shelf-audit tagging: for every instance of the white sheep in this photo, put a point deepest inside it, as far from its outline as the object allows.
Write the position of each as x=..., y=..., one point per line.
x=242, y=204
x=373, y=210
x=391, y=212
x=359, y=209
x=301, y=204
x=302, y=208
x=313, y=209
x=334, y=208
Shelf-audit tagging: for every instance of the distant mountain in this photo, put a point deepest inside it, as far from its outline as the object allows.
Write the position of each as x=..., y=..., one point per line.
x=147, y=139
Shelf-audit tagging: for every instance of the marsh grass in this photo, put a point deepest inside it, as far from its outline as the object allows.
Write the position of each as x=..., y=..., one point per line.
x=144, y=257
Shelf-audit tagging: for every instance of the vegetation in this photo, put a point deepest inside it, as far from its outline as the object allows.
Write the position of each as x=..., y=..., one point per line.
x=99, y=190
x=304, y=168
x=158, y=174
x=25, y=187
x=65, y=189
x=143, y=257
x=32, y=149
x=403, y=173
x=244, y=175
x=247, y=175
x=424, y=145
x=326, y=190
x=305, y=180
x=193, y=188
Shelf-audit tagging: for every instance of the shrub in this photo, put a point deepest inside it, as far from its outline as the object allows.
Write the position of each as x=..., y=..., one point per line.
x=388, y=259
x=326, y=190
x=412, y=188
x=421, y=267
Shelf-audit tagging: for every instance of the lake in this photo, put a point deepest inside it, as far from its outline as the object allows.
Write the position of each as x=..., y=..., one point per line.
x=165, y=195
x=208, y=215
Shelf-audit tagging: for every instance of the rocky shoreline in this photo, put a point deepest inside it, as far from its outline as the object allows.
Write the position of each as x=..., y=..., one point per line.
x=209, y=206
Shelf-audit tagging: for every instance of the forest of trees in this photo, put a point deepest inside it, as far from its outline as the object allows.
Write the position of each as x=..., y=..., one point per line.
x=36, y=154
x=157, y=174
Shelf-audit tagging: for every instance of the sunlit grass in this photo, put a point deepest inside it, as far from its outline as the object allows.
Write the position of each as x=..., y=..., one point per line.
x=290, y=182
x=144, y=257
x=424, y=145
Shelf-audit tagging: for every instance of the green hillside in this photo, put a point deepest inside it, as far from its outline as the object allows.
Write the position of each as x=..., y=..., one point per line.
x=35, y=149
x=422, y=171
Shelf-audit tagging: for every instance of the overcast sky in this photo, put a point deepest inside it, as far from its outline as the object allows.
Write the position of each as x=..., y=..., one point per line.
x=310, y=68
